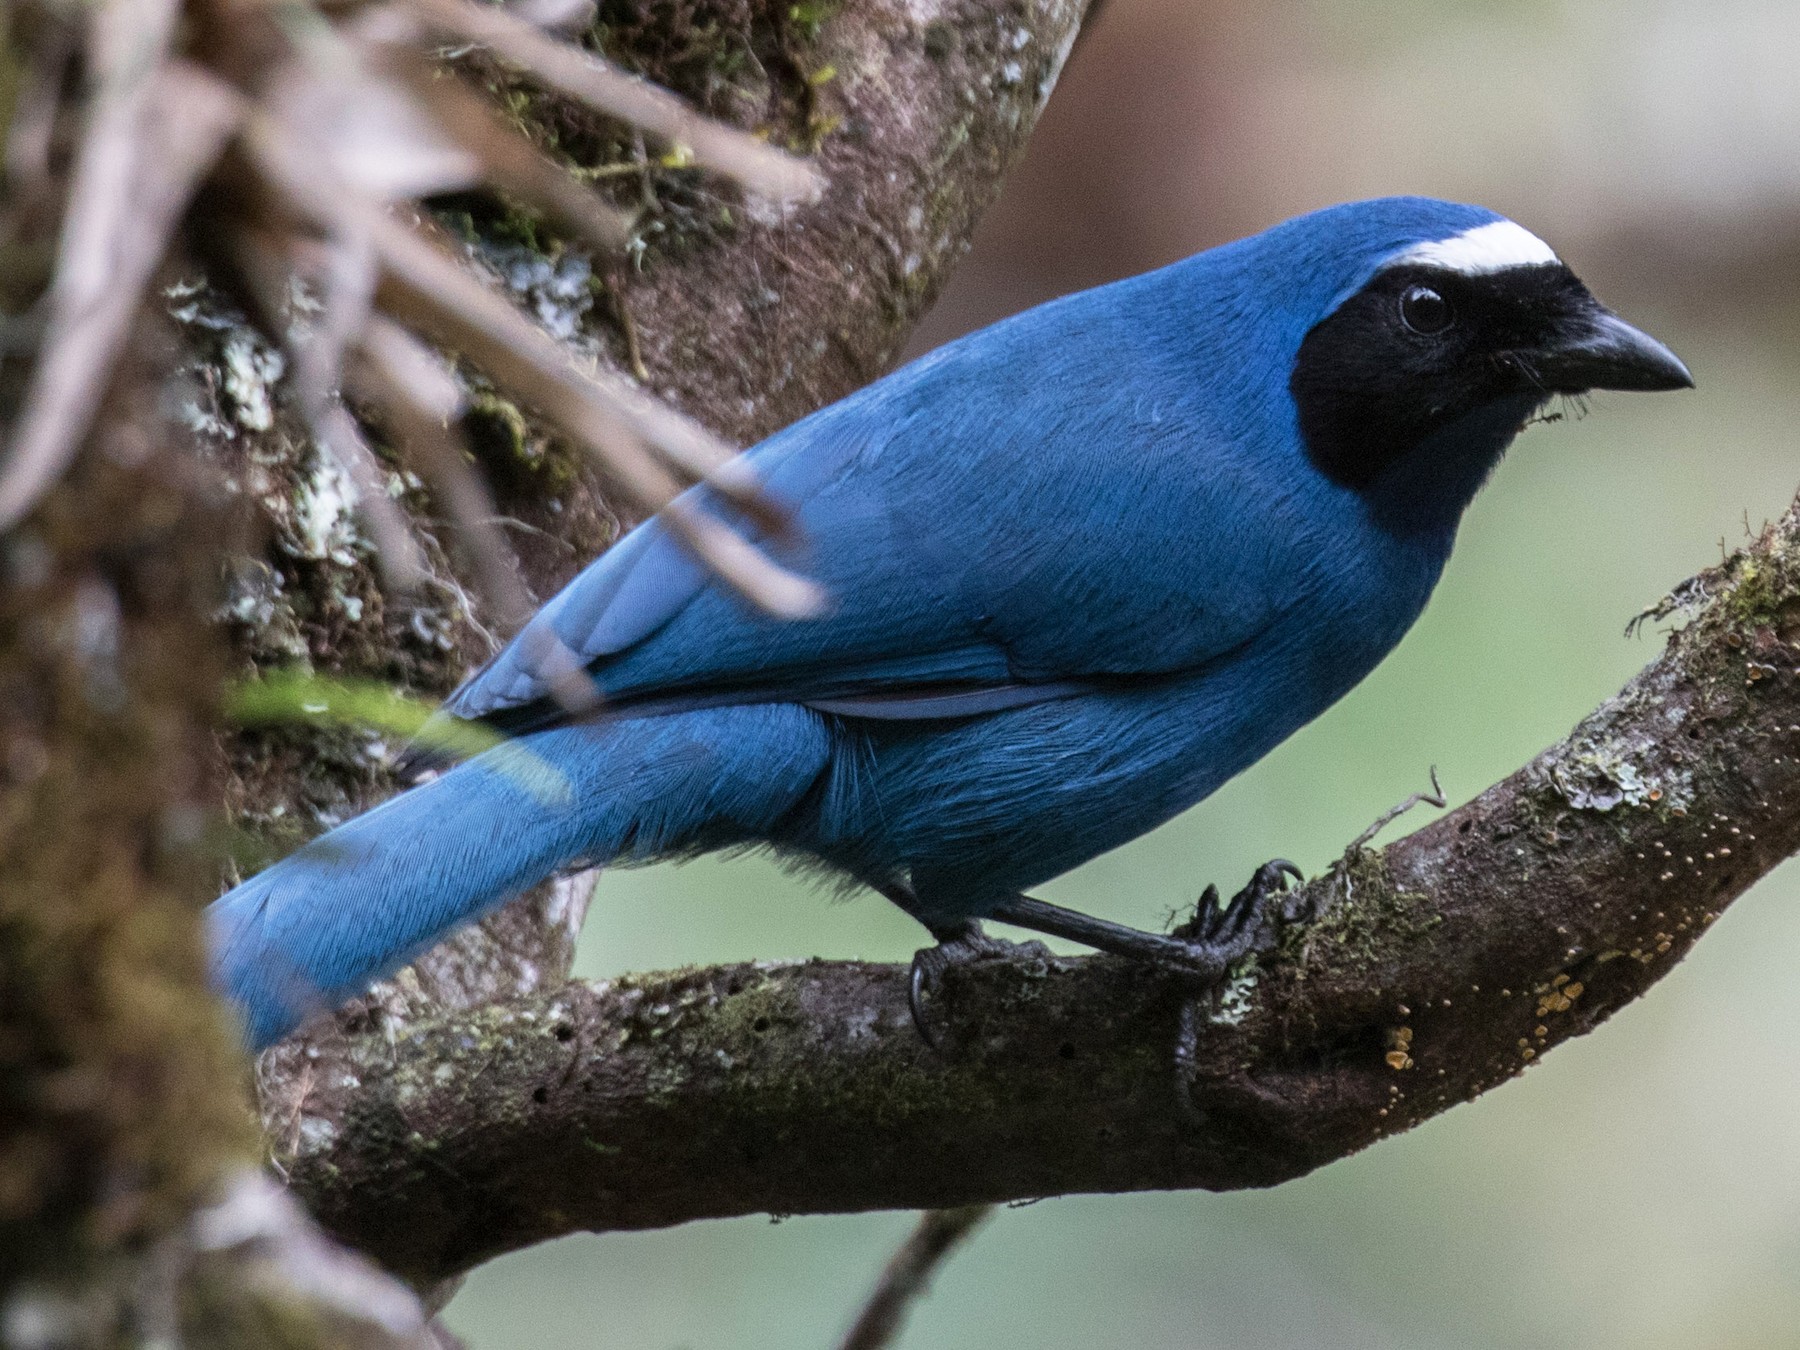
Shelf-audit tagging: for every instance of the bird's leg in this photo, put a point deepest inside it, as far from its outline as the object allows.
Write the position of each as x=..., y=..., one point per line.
x=961, y=942
x=1198, y=952
x=1201, y=950
x=957, y=945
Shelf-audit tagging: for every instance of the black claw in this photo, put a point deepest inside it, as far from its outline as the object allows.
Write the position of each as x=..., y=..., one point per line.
x=1231, y=918
x=1222, y=934
x=915, y=998
x=1271, y=879
x=959, y=948
x=1207, y=915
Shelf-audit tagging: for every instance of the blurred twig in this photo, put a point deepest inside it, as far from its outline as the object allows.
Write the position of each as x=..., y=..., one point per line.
x=908, y=1274
x=339, y=117
x=761, y=168
x=155, y=130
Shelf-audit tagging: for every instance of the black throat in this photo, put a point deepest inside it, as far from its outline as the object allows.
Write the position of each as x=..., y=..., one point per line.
x=1371, y=390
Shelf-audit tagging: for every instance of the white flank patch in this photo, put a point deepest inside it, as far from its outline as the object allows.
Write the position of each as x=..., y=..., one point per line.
x=1493, y=247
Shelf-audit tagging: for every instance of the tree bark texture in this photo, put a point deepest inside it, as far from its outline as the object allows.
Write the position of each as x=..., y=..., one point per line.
x=131, y=1209
x=1440, y=967
x=118, y=1073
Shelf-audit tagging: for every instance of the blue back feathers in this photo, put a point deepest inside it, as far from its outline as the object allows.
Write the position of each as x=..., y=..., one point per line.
x=1082, y=573
x=1170, y=382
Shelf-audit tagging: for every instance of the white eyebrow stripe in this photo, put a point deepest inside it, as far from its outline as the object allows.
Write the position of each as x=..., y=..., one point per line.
x=1493, y=247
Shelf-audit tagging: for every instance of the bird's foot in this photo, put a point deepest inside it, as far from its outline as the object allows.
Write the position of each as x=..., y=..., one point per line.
x=1199, y=952
x=1226, y=934
x=959, y=946
x=1221, y=935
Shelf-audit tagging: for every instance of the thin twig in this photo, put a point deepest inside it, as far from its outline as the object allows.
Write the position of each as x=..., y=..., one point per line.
x=401, y=378
x=425, y=287
x=418, y=397
x=1433, y=798
x=149, y=143
x=908, y=1274
x=407, y=384
x=766, y=171
x=347, y=286
x=509, y=160
x=634, y=351
x=397, y=553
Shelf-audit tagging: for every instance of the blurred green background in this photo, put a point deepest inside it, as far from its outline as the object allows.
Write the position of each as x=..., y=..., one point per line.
x=1640, y=1188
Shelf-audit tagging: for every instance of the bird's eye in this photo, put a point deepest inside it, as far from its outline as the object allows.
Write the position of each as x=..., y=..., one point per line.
x=1425, y=311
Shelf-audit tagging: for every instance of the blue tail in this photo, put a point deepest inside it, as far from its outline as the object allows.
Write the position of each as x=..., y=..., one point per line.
x=363, y=900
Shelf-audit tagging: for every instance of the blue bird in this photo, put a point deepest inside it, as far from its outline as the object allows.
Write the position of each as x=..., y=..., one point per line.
x=1086, y=565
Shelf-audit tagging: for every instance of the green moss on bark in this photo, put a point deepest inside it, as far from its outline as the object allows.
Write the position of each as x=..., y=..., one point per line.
x=120, y=1087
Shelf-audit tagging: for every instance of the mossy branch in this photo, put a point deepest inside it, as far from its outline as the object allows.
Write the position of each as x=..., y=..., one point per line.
x=1444, y=965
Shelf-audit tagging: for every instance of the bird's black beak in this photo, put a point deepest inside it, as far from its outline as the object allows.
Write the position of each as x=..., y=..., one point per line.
x=1593, y=348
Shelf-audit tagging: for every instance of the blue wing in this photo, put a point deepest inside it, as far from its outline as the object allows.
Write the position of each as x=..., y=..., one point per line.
x=992, y=527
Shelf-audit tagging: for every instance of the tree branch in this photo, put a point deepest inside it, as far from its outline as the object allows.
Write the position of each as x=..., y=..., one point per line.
x=1441, y=967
